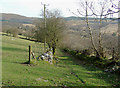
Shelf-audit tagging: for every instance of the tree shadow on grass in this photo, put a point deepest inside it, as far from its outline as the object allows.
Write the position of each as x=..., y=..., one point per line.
x=112, y=79
x=109, y=78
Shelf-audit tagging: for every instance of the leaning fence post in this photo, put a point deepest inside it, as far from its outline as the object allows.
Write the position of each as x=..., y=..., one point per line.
x=29, y=53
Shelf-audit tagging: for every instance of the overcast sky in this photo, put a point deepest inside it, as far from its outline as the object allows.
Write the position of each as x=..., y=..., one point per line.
x=32, y=8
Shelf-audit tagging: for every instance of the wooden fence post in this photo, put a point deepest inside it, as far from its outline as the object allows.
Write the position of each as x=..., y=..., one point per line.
x=113, y=54
x=29, y=53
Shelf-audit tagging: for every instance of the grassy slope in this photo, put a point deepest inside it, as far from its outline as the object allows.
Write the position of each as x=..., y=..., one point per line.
x=68, y=71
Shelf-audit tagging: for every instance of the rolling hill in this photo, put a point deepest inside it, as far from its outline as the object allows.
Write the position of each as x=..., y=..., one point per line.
x=17, y=18
x=73, y=23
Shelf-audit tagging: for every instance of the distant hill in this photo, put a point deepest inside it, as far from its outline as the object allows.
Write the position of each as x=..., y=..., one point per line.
x=83, y=18
x=74, y=23
x=17, y=18
x=29, y=20
x=74, y=18
x=14, y=21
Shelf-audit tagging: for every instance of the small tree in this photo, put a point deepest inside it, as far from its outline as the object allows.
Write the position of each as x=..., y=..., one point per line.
x=14, y=31
x=29, y=33
x=54, y=28
x=8, y=31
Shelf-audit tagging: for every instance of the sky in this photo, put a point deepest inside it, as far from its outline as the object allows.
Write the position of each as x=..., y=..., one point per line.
x=32, y=8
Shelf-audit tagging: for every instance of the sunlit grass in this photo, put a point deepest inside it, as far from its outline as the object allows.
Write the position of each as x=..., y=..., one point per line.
x=67, y=72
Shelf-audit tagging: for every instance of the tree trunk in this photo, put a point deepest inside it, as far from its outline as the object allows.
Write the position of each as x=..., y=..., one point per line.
x=100, y=38
x=91, y=34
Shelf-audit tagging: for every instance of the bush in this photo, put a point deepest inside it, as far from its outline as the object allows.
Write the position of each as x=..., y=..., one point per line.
x=72, y=52
x=66, y=50
x=86, y=52
x=85, y=55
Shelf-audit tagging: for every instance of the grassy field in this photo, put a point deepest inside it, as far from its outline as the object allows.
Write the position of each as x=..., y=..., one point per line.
x=67, y=72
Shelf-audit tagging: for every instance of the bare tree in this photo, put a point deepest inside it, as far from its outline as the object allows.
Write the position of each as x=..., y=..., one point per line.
x=100, y=11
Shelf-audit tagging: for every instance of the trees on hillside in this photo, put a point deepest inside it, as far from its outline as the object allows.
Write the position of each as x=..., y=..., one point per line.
x=53, y=31
x=29, y=33
x=12, y=31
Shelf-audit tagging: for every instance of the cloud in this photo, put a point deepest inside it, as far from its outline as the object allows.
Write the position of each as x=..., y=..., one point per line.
x=32, y=8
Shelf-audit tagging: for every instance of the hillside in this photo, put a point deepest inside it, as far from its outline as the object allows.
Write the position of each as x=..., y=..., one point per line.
x=68, y=71
x=18, y=18
x=29, y=20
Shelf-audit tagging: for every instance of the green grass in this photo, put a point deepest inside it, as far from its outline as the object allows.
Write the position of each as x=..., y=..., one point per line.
x=68, y=71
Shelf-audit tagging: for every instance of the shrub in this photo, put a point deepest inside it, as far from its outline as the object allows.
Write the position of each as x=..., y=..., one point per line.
x=85, y=55
x=72, y=52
